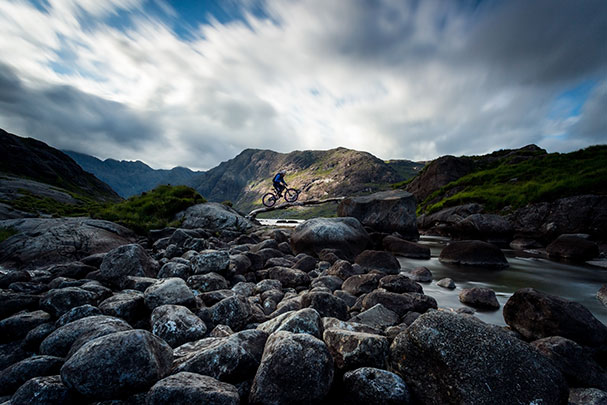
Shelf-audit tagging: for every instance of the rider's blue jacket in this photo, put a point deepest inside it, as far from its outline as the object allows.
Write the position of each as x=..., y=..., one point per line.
x=279, y=178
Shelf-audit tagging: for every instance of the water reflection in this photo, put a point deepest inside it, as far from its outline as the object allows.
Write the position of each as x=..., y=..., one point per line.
x=578, y=283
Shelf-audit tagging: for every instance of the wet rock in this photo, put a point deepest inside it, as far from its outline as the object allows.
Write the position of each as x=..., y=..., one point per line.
x=35, y=336
x=11, y=302
x=17, y=374
x=313, y=235
x=362, y=284
x=449, y=358
x=443, y=221
x=473, y=253
x=405, y=248
x=76, y=313
x=278, y=382
x=48, y=390
x=576, y=364
x=482, y=298
x=211, y=261
x=525, y=243
x=232, y=311
x=377, y=316
x=536, y=315
x=214, y=217
x=446, y=283
x=326, y=304
x=208, y=282
x=232, y=359
x=306, y=320
x=587, y=396
x=127, y=260
x=352, y=350
x=378, y=260
x=17, y=326
x=399, y=303
x=118, y=364
x=289, y=277
x=192, y=388
x=305, y=263
x=373, y=386
x=59, y=301
x=386, y=211
x=574, y=248
x=169, y=291
x=61, y=340
x=421, y=274
x=176, y=325
x=487, y=227
x=128, y=305
x=174, y=269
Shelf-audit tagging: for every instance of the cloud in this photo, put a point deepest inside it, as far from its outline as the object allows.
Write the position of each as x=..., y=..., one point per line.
x=400, y=79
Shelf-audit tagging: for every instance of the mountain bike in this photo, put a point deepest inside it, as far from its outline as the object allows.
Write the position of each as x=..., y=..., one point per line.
x=289, y=194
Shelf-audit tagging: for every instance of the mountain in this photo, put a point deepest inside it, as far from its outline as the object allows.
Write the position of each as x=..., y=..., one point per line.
x=244, y=179
x=30, y=159
x=132, y=178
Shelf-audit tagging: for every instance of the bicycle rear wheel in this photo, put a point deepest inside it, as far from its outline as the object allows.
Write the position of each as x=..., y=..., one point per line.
x=269, y=199
x=291, y=195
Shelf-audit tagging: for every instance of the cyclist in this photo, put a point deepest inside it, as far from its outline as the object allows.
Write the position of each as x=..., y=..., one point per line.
x=279, y=182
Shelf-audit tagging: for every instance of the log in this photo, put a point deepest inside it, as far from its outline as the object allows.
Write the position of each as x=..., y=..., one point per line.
x=282, y=206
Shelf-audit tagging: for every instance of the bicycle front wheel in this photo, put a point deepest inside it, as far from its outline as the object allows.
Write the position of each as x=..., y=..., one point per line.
x=269, y=199
x=291, y=195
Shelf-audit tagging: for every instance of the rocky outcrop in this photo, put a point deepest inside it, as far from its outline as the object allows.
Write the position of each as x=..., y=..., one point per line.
x=401, y=247
x=448, y=358
x=127, y=260
x=45, y=241
x=573, y=248
x=473, y=253
x=386, y=211
x=344, y=234
x=214, y=217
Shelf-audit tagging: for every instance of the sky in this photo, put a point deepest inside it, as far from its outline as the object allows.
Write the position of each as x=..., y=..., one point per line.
x=193, y=83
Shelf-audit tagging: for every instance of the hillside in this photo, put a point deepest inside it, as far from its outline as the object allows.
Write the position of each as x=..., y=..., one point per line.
x=34, y=160
x=245, y=178
x=132, y=178
x=509, y=179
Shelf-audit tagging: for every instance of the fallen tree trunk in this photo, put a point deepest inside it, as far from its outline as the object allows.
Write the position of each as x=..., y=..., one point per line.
x=254, y=213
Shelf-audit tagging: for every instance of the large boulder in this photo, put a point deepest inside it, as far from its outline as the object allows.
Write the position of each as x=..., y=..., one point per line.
x=351, y=350
x=234, y=312
x=191, y=388
x=128, y=305
x=58, y=301
x=169, y=291
x=449, y=358
x=378, y=260
x=488, y=227
x=345, y=234
x=176, y=325
x=117, y=365
x=473, y=253
x=373, y=386
x=536, y=315
x=214, y=217
x=47, y=390
x=326, y=304
x=17, y=326
x=295, y=368
x=405, y=248
x=478, y=297
x=17, y=374
x=45, y=241
x=306, y=320
x=127, y=260
x=386, y=211
x=289, y=277
x=572, y=247
x=399, y=303
x=210, y=260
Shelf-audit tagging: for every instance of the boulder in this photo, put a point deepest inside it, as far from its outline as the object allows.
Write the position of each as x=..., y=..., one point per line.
x=576, y=364
x=17, y=374
x=45, y=241
x=17, y=326
x=76, y=313
x=208, y=282
x=176, y=325
x=214, y=217
x=373, y=386
x=487, y=227
x=305, y=263
x=118, y=364
x=587, y=396
x=172, y=291
x=378, y=260
x=61, y=340
x=127, y=260
x=191, y=388
x=421, y=274
x=343, y=269
x=446, y=283
x=351, y=350
x=477, y=297
x=306, y=320
x=377, y=316
x=443, y=221
x=289, y=277
x=234, y=312
x=295, y=368
x=175, y=269
x=48, y=390
x=362, y=284
x=386, y=211
x=536, y=315
x=449, y=358
x=601, y=294
x=35, y=336
x=573, y=248
x=314, y=235
x=473, y=253
x=333, y=283
x=216, y=261
x=13, y=277
x=326, y=304
x=127, y=304
x=401, y=247
x=234, y=358
x=399, y=303
x=11, y=302
x=58, y=301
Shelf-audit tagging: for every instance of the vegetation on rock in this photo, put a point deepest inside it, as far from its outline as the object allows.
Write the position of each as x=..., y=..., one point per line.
x=6, y=233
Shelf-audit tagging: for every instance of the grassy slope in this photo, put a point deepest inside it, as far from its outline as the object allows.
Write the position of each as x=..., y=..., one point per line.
x=543, y=178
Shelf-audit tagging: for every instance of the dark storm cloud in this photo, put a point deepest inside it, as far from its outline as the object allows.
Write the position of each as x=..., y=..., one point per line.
x=592, y=126
x=62, y=114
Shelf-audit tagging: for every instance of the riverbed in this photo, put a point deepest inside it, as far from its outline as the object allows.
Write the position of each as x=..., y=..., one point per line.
x=575, y=282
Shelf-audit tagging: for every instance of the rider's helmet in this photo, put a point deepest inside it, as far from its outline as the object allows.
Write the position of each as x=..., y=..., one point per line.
x=282, y=171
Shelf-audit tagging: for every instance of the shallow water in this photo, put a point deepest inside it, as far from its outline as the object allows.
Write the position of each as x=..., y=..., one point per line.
x=578, y=283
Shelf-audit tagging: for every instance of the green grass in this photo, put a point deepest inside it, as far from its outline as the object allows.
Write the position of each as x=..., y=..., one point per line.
x=6, y=233
x=151, y=210
x=30, y=202
x=542, y=178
